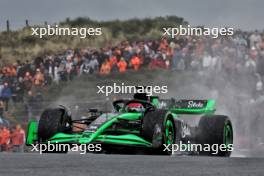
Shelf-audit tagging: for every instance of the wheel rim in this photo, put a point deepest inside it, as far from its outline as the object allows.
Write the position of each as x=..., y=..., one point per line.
x=228, y=134
x=169, y=132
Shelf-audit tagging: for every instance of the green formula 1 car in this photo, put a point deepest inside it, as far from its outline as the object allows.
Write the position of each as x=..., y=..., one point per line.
x=143, y=123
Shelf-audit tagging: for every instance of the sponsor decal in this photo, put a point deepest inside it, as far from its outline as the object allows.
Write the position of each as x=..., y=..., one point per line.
x=195, y=104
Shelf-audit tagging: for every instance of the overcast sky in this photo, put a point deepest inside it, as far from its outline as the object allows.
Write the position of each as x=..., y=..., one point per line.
x=244, y=14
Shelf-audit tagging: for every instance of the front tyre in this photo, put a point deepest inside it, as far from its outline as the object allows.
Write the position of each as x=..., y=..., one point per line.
x=52, y=121
x=216, y=131
x=158, y=127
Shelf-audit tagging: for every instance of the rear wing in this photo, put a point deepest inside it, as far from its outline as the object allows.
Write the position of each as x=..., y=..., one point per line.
x=189, y=106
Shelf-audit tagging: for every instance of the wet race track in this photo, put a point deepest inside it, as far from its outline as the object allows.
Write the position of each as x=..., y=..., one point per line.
x=33, y=164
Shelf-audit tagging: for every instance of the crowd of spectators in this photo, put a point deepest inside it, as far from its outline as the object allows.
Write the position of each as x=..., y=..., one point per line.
x=12, y=139
x=242, y=53
x=238, y=54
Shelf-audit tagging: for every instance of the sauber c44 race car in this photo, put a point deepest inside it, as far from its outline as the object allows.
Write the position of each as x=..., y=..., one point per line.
x=143, y=122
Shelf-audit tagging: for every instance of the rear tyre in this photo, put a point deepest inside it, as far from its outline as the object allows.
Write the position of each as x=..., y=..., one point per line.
x=216, y=130
x=53, y=121
x=158, y=127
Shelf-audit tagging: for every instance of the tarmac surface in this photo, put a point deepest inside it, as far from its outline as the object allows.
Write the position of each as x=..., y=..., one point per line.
x=33, y=164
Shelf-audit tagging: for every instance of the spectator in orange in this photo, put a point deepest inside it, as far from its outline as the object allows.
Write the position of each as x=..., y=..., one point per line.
x=122, y=65
x=112, y=61
x=163, y=44
x=8, y=71
x=135, y=62
x=13, y=71
x=18, y=139
x=38, y=78
x=4, y=138
x=105, y=68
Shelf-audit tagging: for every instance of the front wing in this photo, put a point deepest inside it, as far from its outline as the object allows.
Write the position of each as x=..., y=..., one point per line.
x=86, y=138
